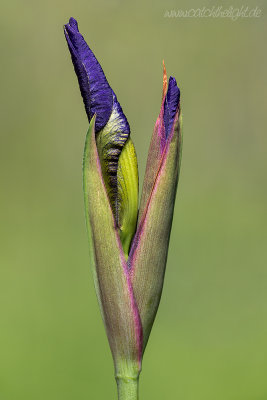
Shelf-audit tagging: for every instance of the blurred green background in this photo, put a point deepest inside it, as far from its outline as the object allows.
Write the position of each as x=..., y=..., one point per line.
x=209, y=340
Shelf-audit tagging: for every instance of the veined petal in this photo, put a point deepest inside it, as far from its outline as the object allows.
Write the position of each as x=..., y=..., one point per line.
x=111, y=141
x=112, y=281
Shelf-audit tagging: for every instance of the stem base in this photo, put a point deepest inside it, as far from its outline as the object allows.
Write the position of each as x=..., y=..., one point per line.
x=127, y=388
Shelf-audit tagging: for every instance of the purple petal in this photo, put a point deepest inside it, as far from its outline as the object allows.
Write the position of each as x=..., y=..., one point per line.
x=96, y=92
x=171, y=104
x=99, y=99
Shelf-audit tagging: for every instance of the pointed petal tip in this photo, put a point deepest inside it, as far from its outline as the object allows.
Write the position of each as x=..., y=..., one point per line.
x=73, y=23
x=165, y=81
x=71, y=26
x=173, y=83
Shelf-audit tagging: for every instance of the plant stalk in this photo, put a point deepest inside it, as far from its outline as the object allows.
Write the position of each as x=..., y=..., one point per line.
x=128, y=388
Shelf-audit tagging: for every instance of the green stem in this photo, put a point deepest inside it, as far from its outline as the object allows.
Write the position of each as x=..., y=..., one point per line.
x=127, y=388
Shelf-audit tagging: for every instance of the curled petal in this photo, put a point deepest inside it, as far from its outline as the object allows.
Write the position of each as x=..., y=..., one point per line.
x=111, y=141
x=165, y=82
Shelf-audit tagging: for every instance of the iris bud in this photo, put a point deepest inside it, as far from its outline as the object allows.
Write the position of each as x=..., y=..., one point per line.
x=128, y=248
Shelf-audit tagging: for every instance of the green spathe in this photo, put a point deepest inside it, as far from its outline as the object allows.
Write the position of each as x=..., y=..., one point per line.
x=112, y=283
x=148, y=261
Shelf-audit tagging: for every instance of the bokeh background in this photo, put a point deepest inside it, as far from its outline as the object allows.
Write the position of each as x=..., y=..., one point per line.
x=209, y=340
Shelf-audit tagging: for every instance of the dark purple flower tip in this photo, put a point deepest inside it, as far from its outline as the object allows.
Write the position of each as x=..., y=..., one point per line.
x=171, y=105
x=96, y=92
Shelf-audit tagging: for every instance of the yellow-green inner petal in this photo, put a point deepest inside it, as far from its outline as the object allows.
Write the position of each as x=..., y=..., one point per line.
x=127, y=178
